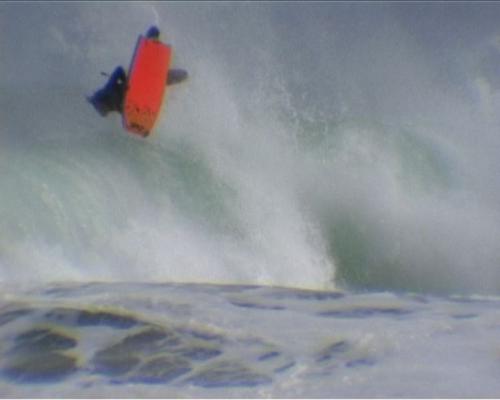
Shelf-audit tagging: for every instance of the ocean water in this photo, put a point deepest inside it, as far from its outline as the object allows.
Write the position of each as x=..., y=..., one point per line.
x=315, y=215
x=200, y=340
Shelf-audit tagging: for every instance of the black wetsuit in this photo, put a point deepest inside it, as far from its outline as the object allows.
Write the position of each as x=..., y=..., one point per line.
x=111, y=96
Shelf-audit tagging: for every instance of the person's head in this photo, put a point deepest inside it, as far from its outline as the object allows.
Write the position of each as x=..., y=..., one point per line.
x=153, y=33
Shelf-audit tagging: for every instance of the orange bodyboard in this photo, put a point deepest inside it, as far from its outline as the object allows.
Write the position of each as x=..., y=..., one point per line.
x=146, y=86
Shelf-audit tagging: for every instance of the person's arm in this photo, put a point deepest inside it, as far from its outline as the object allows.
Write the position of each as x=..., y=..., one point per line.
x=176, y=76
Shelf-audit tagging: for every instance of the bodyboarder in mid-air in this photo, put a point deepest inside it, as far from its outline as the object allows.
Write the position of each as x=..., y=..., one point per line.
x=111, y=96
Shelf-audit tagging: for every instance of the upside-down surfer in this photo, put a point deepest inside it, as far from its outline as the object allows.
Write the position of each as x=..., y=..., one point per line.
x=111, y=96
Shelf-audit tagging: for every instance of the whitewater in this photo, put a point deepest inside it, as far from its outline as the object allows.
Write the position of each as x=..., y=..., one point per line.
x=315, y=215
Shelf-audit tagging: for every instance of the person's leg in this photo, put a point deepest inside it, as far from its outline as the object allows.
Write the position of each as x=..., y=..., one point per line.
x=118, y=77
x=98, y=100
x=119, y=87
x=110, y=97
x=115, y=89
x=176, y=76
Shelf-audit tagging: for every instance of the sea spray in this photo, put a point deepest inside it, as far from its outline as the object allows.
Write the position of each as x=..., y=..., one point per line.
x=313, y=146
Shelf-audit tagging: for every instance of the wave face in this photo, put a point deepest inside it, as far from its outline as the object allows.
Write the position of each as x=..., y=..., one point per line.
x=315, y=146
